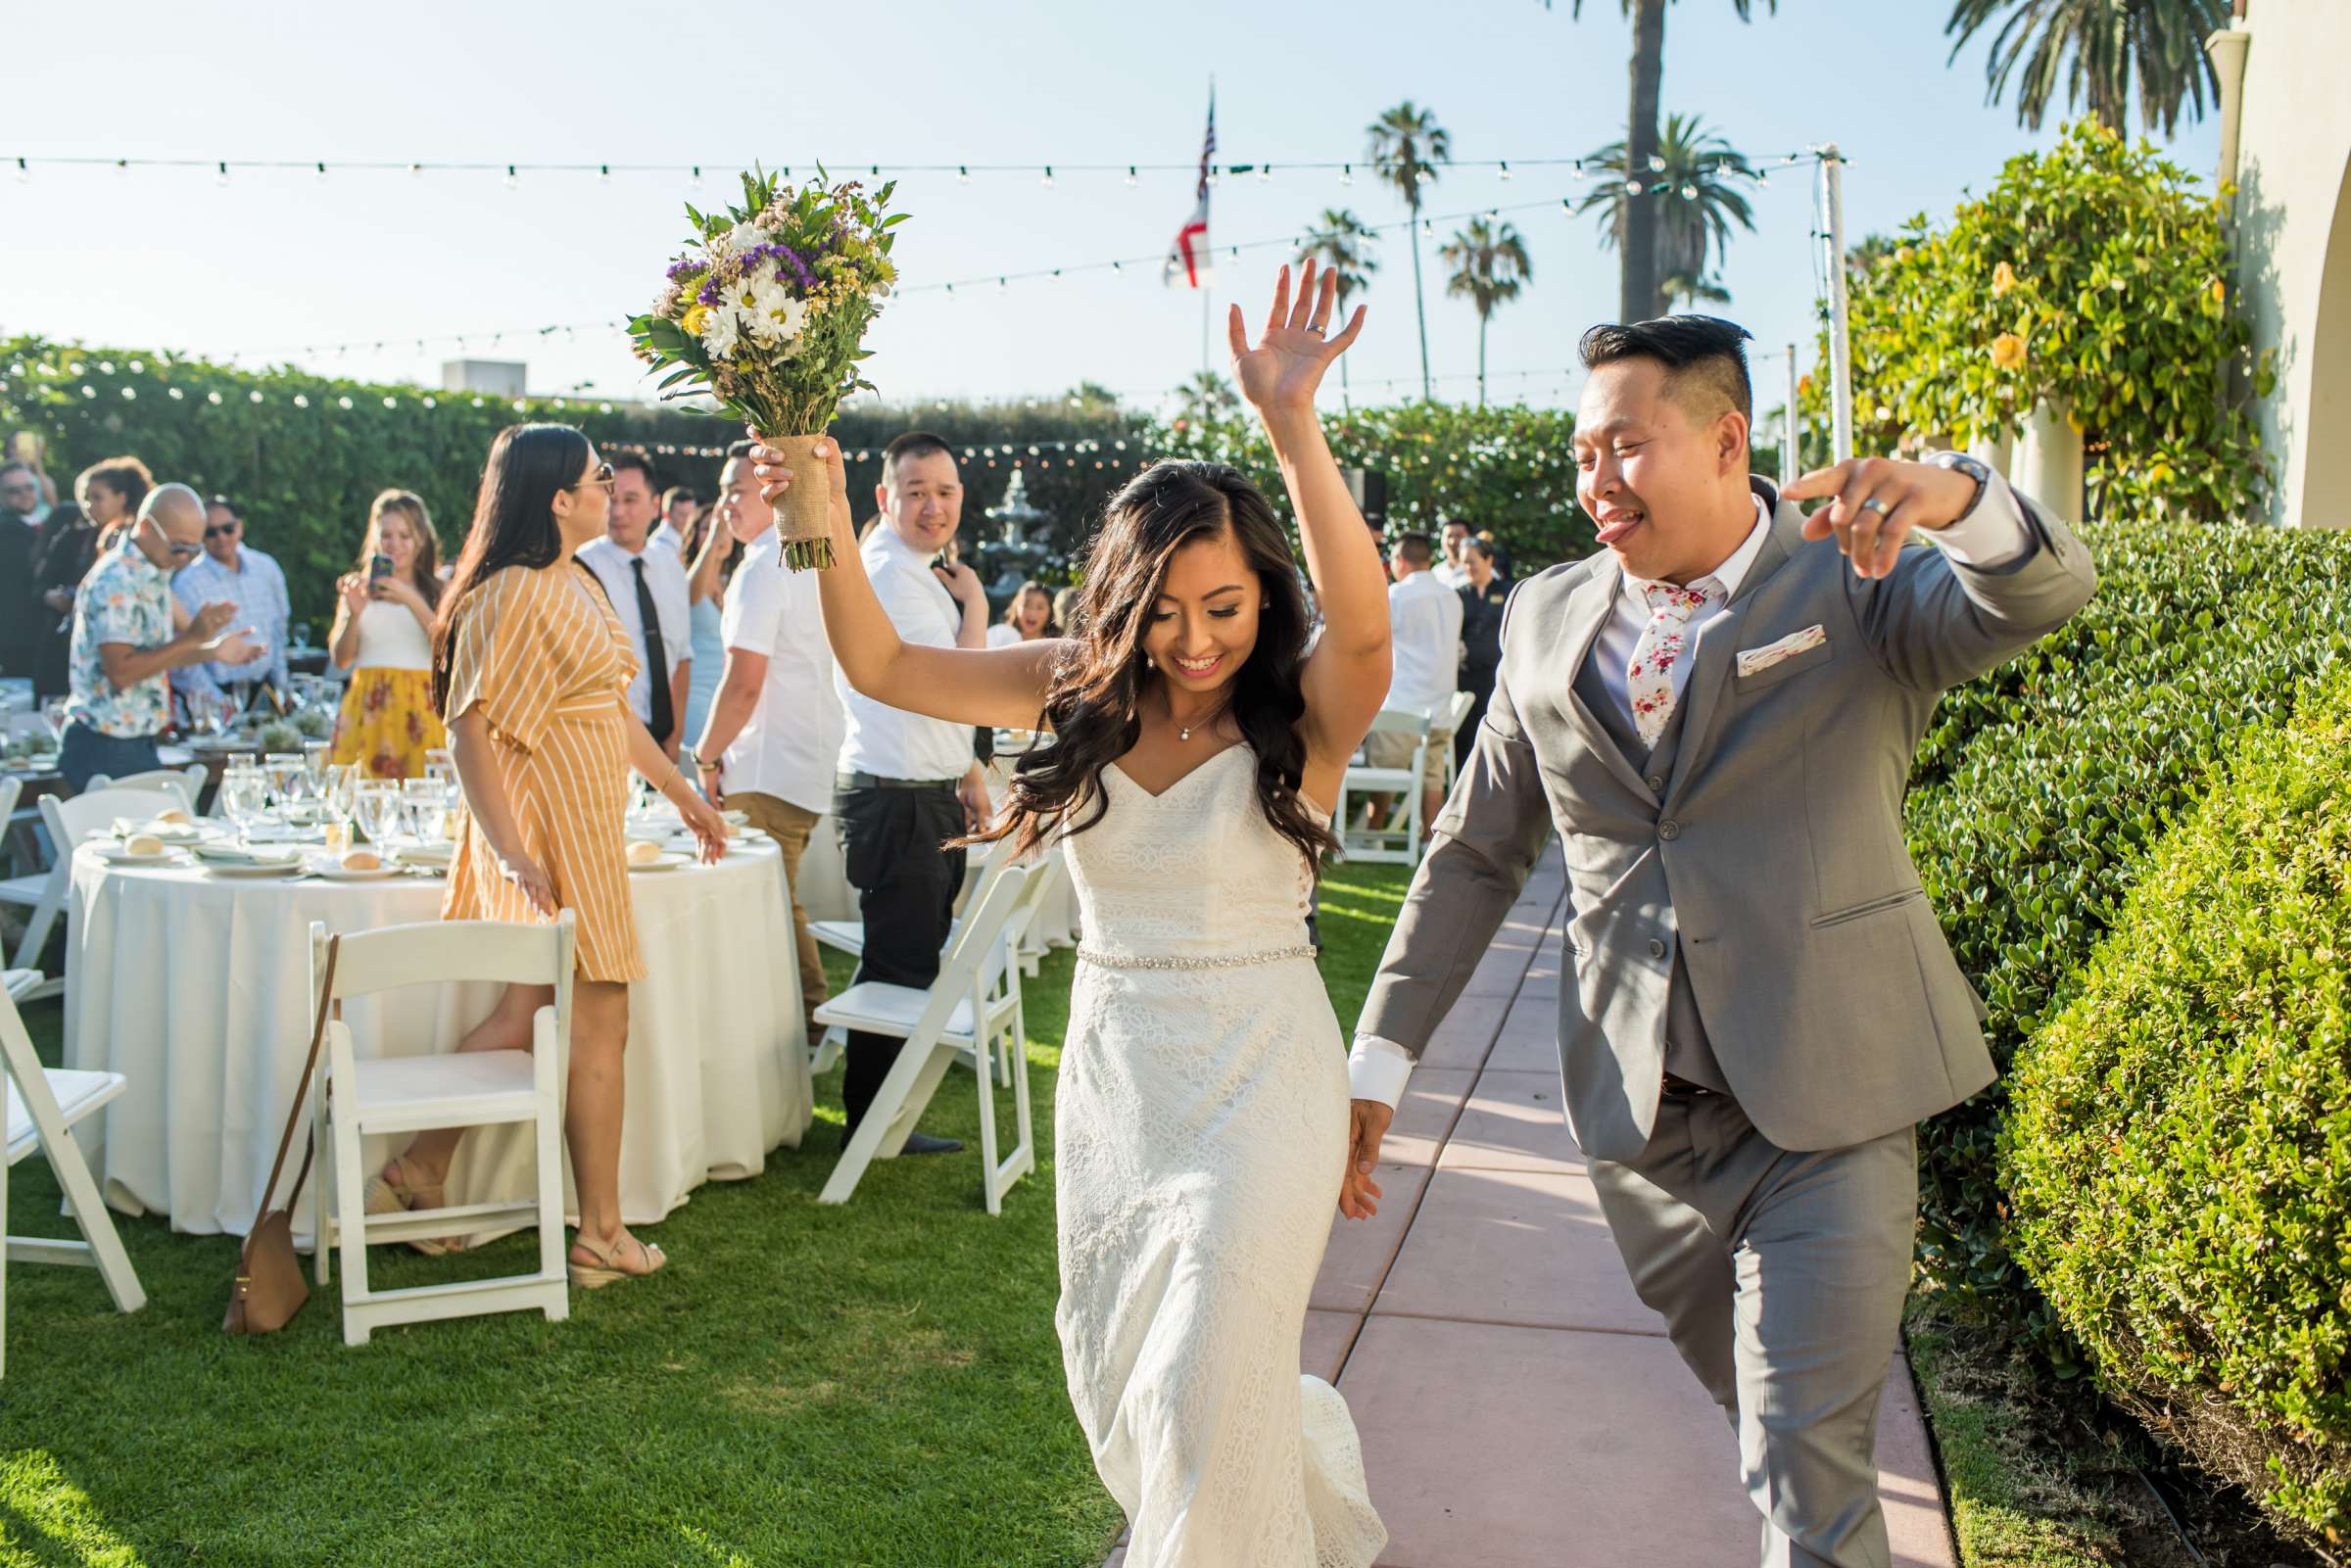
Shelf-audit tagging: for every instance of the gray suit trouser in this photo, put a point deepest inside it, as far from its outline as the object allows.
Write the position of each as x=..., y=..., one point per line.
x=1781, y=1277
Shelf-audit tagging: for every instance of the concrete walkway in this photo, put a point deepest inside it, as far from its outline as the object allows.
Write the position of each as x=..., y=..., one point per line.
x=1520, y=1408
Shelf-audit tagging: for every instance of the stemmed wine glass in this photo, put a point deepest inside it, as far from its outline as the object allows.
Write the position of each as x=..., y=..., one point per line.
x=244, y=801
x=421, y=810
x=376, y=806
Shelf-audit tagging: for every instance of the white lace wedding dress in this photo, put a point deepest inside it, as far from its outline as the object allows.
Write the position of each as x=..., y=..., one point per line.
x=1201, y=1127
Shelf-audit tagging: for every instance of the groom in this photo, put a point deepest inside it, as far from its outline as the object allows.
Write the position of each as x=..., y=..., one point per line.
x=1718, y=713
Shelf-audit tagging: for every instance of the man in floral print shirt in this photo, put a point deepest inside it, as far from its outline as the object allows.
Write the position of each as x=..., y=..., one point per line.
x=129, y=634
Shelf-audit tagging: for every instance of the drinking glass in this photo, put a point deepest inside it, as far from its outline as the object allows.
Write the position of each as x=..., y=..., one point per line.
x=284, y=768
x=376, y=807
x=420, y=809
x=244, y=801
x=335, y=806
x=314, y=758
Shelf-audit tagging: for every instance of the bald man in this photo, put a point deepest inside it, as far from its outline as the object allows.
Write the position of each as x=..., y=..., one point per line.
x=129, y=634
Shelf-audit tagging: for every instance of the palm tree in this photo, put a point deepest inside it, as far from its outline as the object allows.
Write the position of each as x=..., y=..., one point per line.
x=1694, y=196
x=1638, y=287
x=1343, y=244
x=1407, y=145
x=1489, y=267
x=2156, y=45
x=1207, y=398
x=1687, y=290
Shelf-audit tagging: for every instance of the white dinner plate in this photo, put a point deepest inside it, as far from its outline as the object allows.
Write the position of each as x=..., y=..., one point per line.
x=256, y=869
x=668, y=860
x=117, y=855
x=337, y=874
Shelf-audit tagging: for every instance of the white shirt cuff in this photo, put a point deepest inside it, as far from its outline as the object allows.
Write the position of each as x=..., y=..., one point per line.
x=1377, y=1070
x=1992, y=535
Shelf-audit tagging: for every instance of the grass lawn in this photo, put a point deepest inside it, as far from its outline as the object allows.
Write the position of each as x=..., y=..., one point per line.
x=876, y=1383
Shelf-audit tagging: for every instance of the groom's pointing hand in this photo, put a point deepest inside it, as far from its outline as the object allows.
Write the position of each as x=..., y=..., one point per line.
x=1368, y=1124
x=1874, y=503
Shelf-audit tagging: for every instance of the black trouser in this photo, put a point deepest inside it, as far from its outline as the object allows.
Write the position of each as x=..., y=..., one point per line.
x=1478, y=681
x=893, y=842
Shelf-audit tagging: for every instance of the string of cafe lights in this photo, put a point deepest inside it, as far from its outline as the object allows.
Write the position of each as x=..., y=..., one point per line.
x=1001, y=282
x=224, y=170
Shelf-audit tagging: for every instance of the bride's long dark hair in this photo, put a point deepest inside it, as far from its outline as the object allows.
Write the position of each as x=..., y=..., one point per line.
x=1093, y=697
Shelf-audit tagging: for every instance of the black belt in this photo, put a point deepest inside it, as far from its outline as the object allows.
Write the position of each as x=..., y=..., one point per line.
x=1682, y=1088
x=867, y=781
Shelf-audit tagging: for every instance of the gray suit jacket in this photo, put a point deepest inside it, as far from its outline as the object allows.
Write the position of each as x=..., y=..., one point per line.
x=1773, y=860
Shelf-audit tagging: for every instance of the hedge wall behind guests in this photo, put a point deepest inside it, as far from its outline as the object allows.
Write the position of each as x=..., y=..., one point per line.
x=305, y=453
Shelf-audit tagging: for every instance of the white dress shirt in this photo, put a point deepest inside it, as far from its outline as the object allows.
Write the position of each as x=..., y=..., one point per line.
x=1451, y=576
x=1424, y=631
x=256, y=587
x=886, y=741
x=790, y=746
x=1994, y=534
x=665, y=579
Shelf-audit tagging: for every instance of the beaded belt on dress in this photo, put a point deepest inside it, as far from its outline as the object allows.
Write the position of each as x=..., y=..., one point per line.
x=1228, y=961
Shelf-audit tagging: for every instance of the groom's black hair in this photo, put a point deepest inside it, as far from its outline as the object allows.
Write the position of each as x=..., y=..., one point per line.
x=1702, y=355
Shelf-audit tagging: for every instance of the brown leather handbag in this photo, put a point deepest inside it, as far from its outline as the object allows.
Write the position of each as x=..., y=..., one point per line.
x=270, y=1288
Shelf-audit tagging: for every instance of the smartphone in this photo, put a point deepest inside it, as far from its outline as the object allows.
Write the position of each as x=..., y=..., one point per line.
x=380, y=567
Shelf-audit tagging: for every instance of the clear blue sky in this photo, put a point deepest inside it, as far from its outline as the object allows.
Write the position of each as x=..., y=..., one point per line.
x=278, y=260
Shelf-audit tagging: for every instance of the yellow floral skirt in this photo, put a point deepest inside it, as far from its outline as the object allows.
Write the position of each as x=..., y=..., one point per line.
x=387, y=724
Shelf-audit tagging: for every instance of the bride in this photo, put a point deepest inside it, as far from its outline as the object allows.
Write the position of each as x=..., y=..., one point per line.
x=1202, y=1124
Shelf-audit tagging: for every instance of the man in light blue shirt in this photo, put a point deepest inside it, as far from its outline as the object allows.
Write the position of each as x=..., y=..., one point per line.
x=230, y=571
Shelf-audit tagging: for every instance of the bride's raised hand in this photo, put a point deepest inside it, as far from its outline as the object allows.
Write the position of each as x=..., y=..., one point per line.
x=1283, y=370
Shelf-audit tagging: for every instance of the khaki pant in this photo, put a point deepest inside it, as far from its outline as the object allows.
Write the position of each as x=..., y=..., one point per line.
x=1391, y=749
x=789, y=826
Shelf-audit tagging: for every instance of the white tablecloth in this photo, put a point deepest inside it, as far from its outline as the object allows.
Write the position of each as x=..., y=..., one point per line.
x=196, y=989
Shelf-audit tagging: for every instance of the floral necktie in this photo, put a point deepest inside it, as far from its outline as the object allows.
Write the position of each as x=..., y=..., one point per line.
x=1649, y=678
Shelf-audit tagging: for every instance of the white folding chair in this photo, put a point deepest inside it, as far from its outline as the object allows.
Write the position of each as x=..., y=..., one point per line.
x=187, y=782
x=975, y=1007
x=848, y=935
x=71, y=820
x=43, y=1105
x=454, y=1089
x=1390, y=843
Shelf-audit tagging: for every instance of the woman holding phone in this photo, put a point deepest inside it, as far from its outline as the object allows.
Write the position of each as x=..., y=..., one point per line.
x=384, y=635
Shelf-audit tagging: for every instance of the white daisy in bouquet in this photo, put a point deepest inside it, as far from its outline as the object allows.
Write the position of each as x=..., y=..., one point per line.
x=766, y=312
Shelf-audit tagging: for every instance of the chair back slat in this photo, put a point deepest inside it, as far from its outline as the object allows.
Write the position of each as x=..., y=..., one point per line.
x=980, y=942
x=1399, y=721
x=71, y=819
x=429, y=952
x=186, y=783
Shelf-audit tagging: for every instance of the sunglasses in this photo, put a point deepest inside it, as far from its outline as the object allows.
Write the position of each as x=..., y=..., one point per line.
x=225, y=528
x=171, y=547
x=602, y=476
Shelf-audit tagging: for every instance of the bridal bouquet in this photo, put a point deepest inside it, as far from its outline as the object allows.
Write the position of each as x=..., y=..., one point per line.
x=766, y=312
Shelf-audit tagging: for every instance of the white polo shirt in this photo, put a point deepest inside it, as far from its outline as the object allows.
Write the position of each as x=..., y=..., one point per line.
x=886, y=741
x=790, y=746
x=1424, y=631
x=665, y=579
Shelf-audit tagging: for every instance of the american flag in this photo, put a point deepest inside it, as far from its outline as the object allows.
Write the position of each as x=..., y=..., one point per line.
x=1187, y=261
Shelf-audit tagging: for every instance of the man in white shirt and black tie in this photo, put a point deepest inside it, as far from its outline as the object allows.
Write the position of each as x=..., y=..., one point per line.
x=907, y=784
x=647, y=589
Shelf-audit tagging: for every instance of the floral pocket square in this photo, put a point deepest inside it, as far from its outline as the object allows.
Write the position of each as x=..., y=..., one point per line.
x=1754, y=660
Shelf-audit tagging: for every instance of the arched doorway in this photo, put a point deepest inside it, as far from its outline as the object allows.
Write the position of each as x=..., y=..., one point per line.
x=2326, y=454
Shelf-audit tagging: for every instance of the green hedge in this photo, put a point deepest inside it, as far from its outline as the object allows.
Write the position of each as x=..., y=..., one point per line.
x=1508, y=469
x=2044, y=786
x=2179, y=1143
x=306, y=471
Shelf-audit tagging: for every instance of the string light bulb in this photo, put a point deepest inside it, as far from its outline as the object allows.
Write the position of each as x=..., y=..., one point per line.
x=1130, y=176
x=963, y=175
x=695, y=178
x=122, y=167
x=1265, y=173
x=511, y=179
x=415, y=171
x=1346, y=173
x=1502, y=171
x=604, y=173
x=221, y=172
x=1689, y=193
x=1047, y=181
x=1656, y=163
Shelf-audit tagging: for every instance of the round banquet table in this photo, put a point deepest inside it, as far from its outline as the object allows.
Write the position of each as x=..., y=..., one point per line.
x=196, y=989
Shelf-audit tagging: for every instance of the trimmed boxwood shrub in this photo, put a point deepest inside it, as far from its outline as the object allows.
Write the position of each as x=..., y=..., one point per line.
x=2043, y=785
x=2178, y=1143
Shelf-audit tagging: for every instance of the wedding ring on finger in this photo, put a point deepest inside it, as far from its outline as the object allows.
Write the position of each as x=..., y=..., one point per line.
x=1878, y=505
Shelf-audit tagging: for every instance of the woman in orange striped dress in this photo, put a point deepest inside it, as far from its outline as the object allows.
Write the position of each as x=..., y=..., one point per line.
x=531, y=669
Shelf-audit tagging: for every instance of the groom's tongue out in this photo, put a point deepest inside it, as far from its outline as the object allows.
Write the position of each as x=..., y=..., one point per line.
x=1617, y=522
